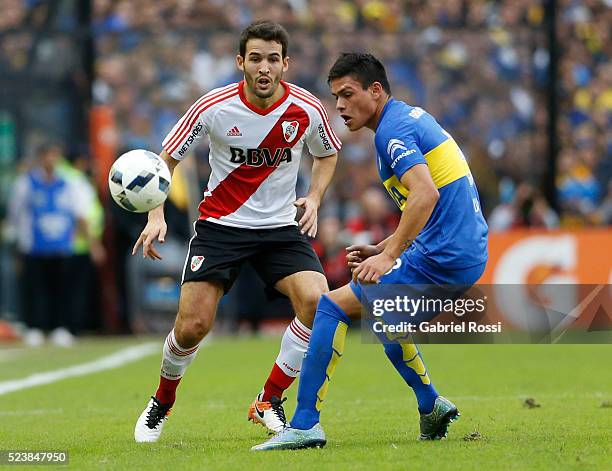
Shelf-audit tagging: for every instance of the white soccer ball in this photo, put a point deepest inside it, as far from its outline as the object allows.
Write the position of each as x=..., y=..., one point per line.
x=139, y=181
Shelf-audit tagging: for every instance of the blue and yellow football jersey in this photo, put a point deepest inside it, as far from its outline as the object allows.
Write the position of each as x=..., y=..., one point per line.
x=456, y=234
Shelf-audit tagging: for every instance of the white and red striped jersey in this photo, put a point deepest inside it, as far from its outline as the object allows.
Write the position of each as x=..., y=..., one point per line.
x=254, y=153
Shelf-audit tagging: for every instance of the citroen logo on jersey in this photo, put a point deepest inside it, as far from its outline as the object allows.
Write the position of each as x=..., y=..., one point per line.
x=395, y=144
x=290, y=129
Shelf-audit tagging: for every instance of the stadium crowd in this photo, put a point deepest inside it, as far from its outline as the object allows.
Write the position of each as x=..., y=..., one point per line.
x=480, y=67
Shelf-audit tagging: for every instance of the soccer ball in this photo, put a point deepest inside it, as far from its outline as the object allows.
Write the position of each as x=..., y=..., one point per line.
x=139, y=181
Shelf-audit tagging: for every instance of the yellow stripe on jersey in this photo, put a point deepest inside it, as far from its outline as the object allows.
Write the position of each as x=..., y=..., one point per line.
x=338, y=350
x=446, y=164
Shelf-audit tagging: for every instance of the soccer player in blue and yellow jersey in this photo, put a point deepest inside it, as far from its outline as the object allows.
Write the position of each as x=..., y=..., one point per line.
x=441, y=239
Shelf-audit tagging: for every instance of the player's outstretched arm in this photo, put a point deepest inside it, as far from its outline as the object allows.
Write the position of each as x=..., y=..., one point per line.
x=322, y=173
x=156, y=227
x=419, y=206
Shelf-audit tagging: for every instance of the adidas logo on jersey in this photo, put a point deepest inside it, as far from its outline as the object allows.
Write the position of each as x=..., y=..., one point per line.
x=234, y=132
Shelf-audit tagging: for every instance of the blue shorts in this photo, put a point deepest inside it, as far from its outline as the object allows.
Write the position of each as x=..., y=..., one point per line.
x=415, y=278
x=412, y=269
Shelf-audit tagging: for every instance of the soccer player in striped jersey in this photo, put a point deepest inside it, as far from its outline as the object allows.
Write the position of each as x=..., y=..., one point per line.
x=441, y=239
x=258, y=129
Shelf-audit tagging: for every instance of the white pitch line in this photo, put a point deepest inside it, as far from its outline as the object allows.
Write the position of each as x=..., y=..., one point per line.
x=115, y=360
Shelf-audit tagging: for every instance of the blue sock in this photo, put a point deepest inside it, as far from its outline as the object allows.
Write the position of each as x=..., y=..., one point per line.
x=324, y=352
x=409, y=364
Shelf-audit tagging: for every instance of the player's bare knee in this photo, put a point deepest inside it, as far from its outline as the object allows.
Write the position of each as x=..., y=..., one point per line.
x=200, y=327
x=190, y=335
x=307, y=306
x=189, y=332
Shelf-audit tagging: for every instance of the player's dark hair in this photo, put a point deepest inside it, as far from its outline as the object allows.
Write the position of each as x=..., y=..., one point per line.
x=266, y=30
x=365, y=68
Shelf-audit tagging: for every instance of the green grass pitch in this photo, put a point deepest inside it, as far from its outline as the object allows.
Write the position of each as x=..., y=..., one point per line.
x=370, y=416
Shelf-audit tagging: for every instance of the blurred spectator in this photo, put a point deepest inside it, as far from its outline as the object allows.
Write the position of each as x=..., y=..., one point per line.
x=579, y=191
x=45, y=213
x=523, y=207
x=605, y=211
x=377, y=218
x=331, y=246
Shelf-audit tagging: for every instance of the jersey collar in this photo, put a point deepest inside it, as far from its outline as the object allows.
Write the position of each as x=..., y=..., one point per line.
x=384, y=111
x=257, y=109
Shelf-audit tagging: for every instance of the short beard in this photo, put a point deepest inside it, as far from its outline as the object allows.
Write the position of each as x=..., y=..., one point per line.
x=258, y=94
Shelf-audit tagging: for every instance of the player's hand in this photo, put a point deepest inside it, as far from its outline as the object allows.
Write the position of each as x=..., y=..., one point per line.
x=308, y=221
x=371, y=269
x=358, y=253
x=154, y=230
